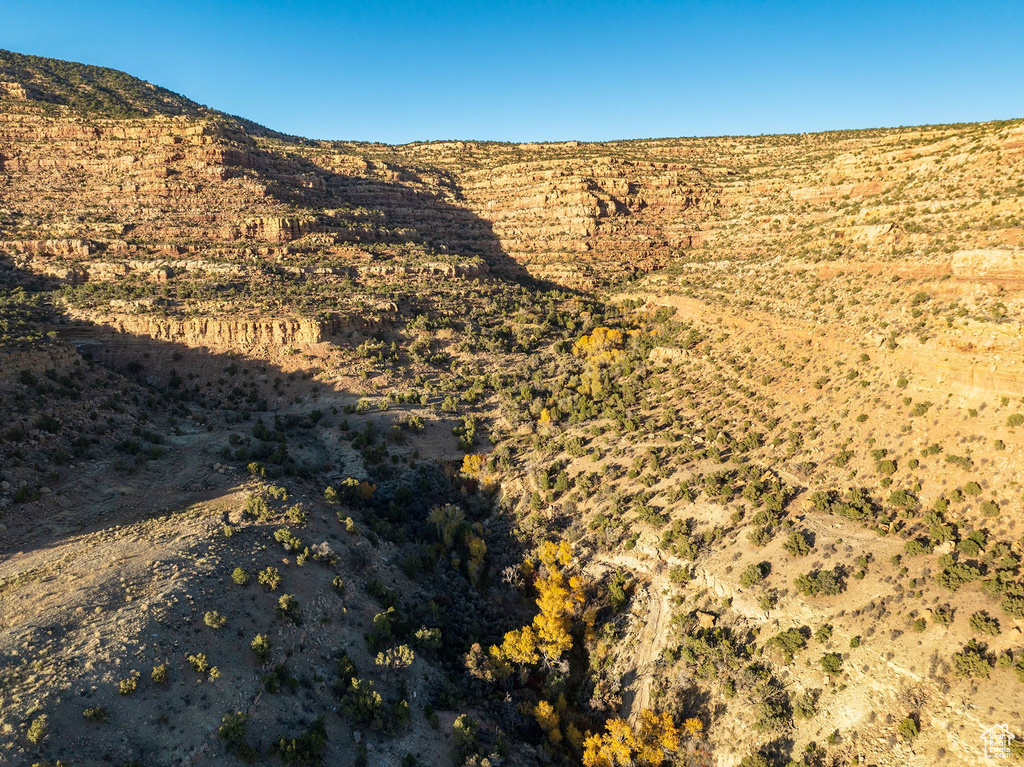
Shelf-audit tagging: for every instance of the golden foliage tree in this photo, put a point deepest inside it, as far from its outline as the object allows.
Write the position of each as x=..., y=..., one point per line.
x=477, y=550
x=547, y=718
x=601, y=344
x=652, y=742
x=448, y=519
x=473, y=464
x=560, y=597
x=601, y=349
x=693, y=726
x=520, y=646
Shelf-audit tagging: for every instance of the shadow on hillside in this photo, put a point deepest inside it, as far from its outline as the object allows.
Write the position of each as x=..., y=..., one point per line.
x=201, y=388
x=216, y=399
x=157, y=376
x=426, y=214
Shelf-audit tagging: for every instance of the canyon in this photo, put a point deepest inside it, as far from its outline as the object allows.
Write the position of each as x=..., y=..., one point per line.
x=765, y=391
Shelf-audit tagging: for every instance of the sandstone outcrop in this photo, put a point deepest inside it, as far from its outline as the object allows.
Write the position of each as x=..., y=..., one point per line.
x=990, y=265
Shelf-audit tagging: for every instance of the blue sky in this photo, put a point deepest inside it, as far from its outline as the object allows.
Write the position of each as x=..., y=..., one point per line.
x=553, y=70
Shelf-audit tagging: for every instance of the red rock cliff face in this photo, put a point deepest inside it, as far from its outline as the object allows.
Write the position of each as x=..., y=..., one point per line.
x=174, y=182
x=590, y=220
x=89, y=198
x=152, y=181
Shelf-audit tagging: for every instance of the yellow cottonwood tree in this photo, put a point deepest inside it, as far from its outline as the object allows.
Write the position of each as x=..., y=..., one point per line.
x=650, y=744
x=520, y=646
x=477, y=550
x=657, y=737
x=447, y=518
x=559, y=599
x=548, y=720
x=473, y=464
x=613, y=749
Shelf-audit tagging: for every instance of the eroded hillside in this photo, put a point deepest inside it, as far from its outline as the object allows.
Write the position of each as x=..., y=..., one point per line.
x=683, y=451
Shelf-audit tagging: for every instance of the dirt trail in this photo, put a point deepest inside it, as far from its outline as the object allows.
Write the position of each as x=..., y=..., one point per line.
x=653, y=638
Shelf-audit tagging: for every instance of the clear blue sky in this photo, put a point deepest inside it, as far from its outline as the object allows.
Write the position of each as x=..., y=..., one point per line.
x=553, y=70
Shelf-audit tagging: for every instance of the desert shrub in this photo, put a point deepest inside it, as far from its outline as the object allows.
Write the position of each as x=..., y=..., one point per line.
x=956, y=575
x=233, y=732
x=96, y=714
x=396, y=658
x=279, y=676
x=464, y=733
x=831, y=663
x=38, y=731
x=199, y=663
x=256, y=506
x=240, y=576
x=364, y=705
x=773, y=708
x=277, y=492
x=820, y=582
x=805, y=706
x=903, y=499
x=755, y=760
x=843, y=457
x=306, y=749
x=797, y=544
x=972, y=661
x=982, y=623
x=914, y=548
x=429, y=638
x=761, y=535
x=856, y=504
x=753, y=574
x=129, y=684
x=214, y=619
x=939, y=530
x=1013, y=605
x=269, y=578
x=789, y=642
x=288, y=607
x=159, y=674
x=323, y=554
x=297, y=515
x=973, y=544
x=288, y=540
x=261, y=648
x=617, y=589
x=908, y=728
